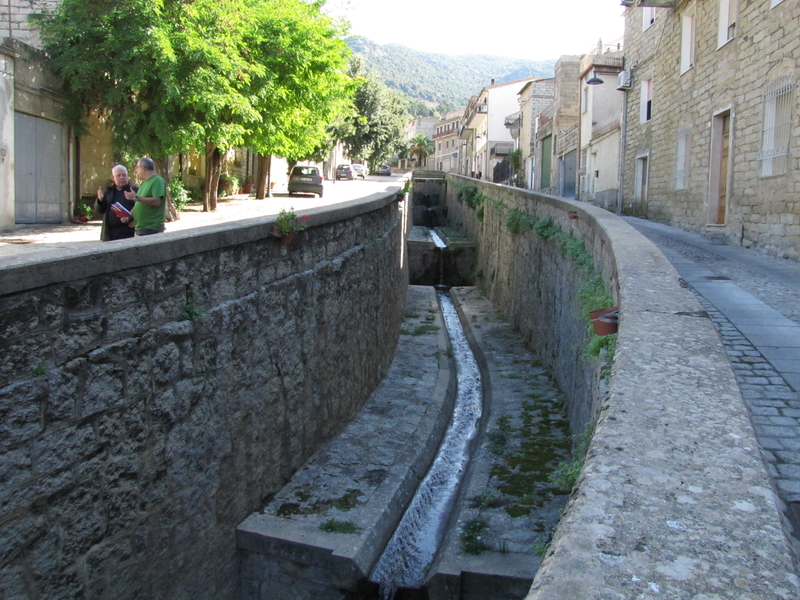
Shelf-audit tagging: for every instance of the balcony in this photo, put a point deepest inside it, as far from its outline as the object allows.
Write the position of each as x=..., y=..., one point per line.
x=502, y=149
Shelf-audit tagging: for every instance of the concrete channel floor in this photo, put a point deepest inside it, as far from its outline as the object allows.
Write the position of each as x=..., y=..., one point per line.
x=754, y=303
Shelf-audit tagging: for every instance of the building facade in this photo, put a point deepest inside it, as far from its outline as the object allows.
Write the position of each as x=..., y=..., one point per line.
x=487, y=140
x=557, y=133
x=534, y=97
x=447, y=142
x=601, y=125
x=712, y=118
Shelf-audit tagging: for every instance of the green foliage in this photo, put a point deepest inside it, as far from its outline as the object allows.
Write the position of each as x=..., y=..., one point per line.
x=40, y=370
x=192, y=311
x=374, y=124
x=180, y=196
x=84, y=207
x=519, y=222
x=334, y=526
x=517, y=170
x=471, y=542
x=289, y=223
x=178, y=74
x=487, y=499
x=421, y=147
x=448, y=81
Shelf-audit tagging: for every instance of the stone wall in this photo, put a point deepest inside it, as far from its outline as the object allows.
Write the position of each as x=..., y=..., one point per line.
x=674, y=499
x=154, y=392
x=733, y=79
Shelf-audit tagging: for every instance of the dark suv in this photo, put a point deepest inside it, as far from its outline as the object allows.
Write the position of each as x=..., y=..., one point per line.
x=305, y=179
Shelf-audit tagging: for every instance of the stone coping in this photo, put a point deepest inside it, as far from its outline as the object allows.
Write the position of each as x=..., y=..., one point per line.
x=674, y=500
x=29, y=272
x=368, y=473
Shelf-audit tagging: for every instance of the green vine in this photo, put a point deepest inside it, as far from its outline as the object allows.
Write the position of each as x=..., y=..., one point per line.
x=593, y=293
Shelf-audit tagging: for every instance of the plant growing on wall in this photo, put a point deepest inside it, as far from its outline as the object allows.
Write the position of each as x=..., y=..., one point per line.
x=288, y=223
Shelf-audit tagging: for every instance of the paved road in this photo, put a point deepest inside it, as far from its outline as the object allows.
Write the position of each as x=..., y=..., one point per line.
x=754, y=302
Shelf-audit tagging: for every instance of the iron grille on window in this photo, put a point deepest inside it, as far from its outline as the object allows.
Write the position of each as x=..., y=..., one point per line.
x=776, y=129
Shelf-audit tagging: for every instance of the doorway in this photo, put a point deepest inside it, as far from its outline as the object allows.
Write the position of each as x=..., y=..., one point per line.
x=39, y=195
x=719, y=182
x=640, y=192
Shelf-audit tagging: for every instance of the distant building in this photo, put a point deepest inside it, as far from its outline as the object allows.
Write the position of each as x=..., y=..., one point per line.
x=534, y=97
x=712, y=119
x=557, y=133
x=418, y=126
x=447, y=142
x=602, y=106
x=485, y=138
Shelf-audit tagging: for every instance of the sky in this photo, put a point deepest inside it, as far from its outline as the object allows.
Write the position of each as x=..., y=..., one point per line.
x=529, y=29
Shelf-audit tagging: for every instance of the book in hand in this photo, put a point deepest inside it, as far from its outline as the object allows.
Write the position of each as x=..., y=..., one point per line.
x=120, y=210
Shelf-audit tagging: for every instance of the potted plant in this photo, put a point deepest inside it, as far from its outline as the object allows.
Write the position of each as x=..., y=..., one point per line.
x=247, y=185
x=287, y=224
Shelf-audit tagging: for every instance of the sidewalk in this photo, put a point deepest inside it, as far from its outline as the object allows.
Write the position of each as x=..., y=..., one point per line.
x=40, y=240
x=754, y=302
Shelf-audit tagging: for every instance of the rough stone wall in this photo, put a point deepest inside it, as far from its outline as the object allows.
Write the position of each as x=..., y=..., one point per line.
x=763, y=212
x=154, y=393
x=536, y=286
x=674, y=499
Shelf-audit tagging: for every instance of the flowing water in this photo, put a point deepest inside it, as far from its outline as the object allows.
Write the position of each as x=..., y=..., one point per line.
x=413, y=546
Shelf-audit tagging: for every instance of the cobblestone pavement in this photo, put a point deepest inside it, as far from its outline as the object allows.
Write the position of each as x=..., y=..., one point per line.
x=726, y=279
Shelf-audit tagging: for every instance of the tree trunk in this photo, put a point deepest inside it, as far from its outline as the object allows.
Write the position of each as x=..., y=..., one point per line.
x=162, y=167
x=213, y=171
x=262, y=174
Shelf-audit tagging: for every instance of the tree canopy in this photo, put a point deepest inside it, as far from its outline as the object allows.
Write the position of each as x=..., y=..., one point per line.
x=374, y=125
x=420, y=147
x=168, y=75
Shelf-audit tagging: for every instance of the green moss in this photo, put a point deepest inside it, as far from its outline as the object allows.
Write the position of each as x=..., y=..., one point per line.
x=334, y=526
x=471, y=542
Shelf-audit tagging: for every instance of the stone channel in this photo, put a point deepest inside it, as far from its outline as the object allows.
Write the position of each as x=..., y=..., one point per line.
x=321, y=534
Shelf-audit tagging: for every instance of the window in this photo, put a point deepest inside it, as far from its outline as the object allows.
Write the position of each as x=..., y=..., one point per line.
x=774, y=3
x=547, y=157
x=728, y=15
x=687, y=40
x=646, y=109
x=681, y=178
x=585, y=98
x=776, y=127
x=648, y=17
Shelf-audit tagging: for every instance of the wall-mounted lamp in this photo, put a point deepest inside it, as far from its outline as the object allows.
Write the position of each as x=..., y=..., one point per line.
x=594, y=80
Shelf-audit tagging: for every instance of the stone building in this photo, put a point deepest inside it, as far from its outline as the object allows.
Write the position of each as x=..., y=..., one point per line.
x=557, y=132
x=447, y=143
x=534, y=97
x=712, y=113
x=602, y=106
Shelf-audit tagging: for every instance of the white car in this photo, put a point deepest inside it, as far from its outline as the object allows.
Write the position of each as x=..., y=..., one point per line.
x=359, y=170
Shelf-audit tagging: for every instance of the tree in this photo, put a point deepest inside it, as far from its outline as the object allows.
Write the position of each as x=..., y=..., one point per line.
x=375, y=121
x=420, y=147
x=167, y=75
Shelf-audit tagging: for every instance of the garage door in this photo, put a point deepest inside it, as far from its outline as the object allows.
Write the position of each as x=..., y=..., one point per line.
x=38, y=170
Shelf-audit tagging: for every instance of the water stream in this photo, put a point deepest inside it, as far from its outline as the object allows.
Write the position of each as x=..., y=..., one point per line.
x=413, y=546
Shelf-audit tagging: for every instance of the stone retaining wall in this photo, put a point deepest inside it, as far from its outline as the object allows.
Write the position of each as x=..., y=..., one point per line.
x=154, y=392
x=674, y=499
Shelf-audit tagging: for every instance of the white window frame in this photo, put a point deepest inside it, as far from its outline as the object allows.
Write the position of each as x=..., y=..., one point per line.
x=687, y=39
x=728, y=17
x=776, y=127
x=648, y=17
x=682, y=155
x=645, y=100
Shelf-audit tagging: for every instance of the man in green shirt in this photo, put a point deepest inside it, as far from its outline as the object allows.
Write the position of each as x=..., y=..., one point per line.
x=150, y=210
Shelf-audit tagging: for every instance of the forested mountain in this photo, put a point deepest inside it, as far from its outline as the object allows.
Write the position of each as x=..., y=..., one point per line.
x=441, y=79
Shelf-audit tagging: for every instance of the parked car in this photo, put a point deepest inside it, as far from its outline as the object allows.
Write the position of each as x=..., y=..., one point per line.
x=303, y=178
x=360, y=170
x=384, y=170
x=345, y=172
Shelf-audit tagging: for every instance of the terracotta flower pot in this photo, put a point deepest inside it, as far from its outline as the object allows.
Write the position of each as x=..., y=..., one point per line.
x=287, y=239
x=572, y=214
x=605, y=320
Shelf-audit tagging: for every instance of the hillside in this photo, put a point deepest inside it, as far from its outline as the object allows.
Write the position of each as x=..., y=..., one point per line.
x=436, y=78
